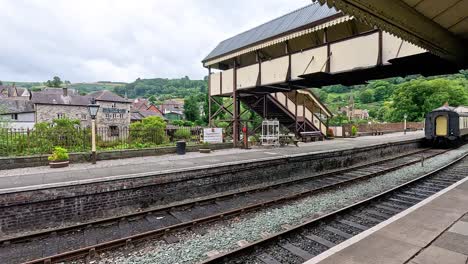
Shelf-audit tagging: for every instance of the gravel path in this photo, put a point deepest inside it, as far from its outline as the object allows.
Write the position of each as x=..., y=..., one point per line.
x=222, y=237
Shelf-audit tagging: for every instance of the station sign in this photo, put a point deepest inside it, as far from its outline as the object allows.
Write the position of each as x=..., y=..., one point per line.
x=213, y=135
x=114, y=111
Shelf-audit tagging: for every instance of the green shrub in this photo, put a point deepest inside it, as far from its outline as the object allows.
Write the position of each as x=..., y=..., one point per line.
x=150, y=130
x=59, y=154
x=182, y=134
x=182, y=123
x=178, y=122
x=354, y=131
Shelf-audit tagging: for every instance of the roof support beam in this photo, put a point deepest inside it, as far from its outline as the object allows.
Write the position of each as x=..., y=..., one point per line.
x=398, y=18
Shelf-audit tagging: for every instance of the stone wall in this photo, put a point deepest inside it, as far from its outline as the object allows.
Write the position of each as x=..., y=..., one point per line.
x=7, y=163
x=106, y=119
x=38, y=209
x=47, y=113
x=387, y=127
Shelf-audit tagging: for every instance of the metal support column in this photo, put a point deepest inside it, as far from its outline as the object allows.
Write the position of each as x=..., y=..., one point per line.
x=235, y=99
x=295, y=112
x=210, y=123
x=325, y=40
x=303, y=113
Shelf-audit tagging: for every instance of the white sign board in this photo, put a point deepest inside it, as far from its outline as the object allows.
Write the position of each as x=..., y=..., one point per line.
x=213, y=135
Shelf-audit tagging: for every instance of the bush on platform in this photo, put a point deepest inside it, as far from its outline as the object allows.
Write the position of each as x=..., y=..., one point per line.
x=59, y=154
x=354, y=131
x=182, y=134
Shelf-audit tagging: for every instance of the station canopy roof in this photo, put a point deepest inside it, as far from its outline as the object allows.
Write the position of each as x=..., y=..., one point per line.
x=440, y=26
x=306, y=17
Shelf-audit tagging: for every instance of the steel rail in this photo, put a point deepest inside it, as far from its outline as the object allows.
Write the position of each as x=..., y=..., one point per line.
x=222, y=258
x=91, y=250
x=30, y=235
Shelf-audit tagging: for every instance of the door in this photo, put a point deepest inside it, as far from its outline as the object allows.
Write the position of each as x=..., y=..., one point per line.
x=441, y=126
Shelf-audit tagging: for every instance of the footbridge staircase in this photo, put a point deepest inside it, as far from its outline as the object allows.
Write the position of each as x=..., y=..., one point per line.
x=299, y=111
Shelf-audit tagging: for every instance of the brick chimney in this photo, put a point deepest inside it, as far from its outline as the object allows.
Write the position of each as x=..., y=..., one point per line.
x=65, y=91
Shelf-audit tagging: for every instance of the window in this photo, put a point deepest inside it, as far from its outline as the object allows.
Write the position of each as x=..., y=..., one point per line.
x=107, y=115
x=14, y=116
x=114, y=131
x=60, y=115
x=84, y=117
x=113, y=105
x=121, y=116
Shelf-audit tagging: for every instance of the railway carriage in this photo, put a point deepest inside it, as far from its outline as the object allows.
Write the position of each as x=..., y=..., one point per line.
x=447, y=125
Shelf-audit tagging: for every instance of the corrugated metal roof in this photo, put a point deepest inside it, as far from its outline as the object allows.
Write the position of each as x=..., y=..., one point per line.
x=294, y=20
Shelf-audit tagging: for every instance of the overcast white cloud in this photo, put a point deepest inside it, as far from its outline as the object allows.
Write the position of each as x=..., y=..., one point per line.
x=121, y=40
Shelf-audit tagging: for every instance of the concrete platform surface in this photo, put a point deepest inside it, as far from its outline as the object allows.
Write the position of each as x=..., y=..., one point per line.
x=434, y=231
x=27, y=177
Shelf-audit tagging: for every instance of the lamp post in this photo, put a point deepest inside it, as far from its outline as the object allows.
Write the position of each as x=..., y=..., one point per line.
x=93, y=109
x=404, y=124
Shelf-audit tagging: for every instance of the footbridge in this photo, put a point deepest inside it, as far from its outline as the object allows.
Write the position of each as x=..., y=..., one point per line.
x=270, y=68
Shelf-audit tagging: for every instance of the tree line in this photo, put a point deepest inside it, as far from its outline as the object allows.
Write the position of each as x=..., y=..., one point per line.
x=388, y=100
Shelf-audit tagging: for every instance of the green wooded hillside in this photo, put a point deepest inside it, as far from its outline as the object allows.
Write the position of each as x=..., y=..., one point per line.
x=390, y=99
x=163, y=89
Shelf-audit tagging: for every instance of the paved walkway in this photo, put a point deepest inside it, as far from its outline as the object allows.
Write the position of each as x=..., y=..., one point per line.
x=433, y=232
x=27, y=177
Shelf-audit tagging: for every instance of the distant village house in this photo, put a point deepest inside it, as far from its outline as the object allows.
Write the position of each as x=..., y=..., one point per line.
x=173, y=109
x=23, y=110
x=142, y=108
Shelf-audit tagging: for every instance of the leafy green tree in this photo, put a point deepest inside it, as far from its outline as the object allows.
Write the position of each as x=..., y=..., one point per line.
x=55, y=82
x=1, y=83
x=382, y=89
x=152, y=99
x=191, y=109
x=150, y=130
x=420, y=96
x=366, y=96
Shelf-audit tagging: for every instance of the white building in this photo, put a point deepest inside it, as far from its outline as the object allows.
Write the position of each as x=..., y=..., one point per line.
x=17, y=114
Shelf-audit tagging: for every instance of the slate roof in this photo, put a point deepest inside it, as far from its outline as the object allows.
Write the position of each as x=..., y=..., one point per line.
x=140, y=105
x=56, y=98
x=10, y=106
x=139, y=115
x=70, y=91
x=287, y=23
x=105, y=95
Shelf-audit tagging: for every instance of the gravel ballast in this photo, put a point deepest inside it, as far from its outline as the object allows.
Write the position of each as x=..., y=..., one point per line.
x=194, y=247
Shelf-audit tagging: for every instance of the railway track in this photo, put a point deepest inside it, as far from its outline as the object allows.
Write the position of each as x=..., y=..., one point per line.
x=82, y=240
x=303, y=242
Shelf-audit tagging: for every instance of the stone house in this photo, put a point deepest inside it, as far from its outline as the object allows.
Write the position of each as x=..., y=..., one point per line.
x=16, y=114
x=114, y=112
x=353, y=113
x=142, y=108
x=172, y=106
x=56, y=103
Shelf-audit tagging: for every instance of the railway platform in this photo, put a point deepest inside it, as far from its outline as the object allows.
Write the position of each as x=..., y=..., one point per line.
x=39, y=177
x=432, y=232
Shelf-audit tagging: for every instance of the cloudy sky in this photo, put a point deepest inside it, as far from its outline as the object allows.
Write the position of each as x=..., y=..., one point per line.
x=121, y=40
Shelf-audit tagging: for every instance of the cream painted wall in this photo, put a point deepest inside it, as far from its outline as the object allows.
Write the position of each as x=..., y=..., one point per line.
x=275, y=71
x=247, y=76
x=300, y=61
x=228, y=81
x=391, y=45
x=215, y=85
x=354, y=53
